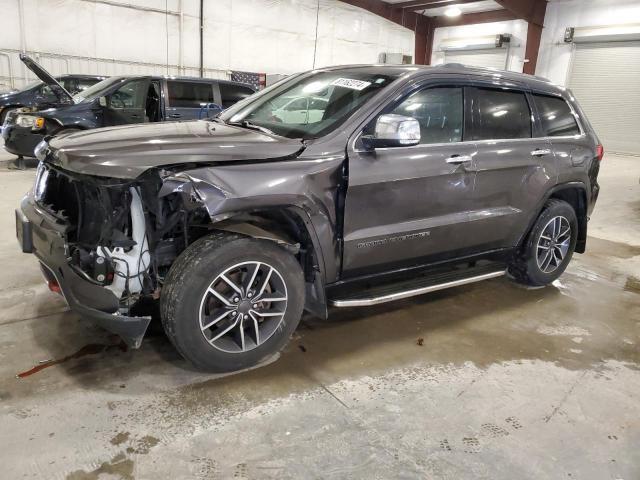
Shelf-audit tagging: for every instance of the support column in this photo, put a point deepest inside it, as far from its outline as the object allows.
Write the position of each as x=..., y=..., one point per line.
x=534, y=32
x=423, y=41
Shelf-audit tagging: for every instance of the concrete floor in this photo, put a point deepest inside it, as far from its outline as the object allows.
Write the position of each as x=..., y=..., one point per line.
x=506, y=382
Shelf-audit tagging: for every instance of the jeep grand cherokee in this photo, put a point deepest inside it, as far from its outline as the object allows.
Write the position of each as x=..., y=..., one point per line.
x=409, y=180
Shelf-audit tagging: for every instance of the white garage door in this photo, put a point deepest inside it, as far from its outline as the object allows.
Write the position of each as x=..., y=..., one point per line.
x=605, y=79
x=494, y=57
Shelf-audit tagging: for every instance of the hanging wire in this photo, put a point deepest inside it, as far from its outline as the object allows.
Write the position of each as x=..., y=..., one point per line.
x=315, y=45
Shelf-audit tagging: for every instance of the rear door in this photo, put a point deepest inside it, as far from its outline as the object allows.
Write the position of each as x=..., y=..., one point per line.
x=515, y=165
x=406, y=204
x=186, y=99
x=127, y=104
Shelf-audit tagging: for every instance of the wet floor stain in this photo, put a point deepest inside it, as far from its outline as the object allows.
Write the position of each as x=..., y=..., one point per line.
x=90, y=349
x=120, y=438
x=119, y=467
x=632, y=285
x=143, y=445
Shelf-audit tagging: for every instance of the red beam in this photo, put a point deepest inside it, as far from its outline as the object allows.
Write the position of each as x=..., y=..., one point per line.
x=473, y=18
x=418, y=4
x=530, y=10
x=388, y=11
x=534, y=32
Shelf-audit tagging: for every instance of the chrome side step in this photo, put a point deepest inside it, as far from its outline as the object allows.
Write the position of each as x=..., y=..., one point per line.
x=390, y=297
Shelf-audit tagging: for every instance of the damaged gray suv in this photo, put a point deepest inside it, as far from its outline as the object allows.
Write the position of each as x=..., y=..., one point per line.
x=345, y=187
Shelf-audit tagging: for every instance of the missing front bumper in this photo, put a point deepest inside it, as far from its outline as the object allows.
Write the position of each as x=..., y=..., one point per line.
x=43, y=237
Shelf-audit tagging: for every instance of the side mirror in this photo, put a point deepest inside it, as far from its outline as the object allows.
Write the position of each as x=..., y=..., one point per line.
x=102, y=101
x=393, y=131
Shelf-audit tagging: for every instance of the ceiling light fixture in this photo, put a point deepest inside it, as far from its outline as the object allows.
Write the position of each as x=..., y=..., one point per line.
x=452, y=12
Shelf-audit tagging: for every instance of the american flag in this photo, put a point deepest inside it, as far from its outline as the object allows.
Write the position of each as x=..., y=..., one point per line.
x=256, y=80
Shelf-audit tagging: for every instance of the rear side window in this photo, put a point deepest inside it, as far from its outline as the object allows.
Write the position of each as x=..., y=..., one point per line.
x=84, y=83
x=189, y=94
x=556, y=118
x=439, y=112
x=70, y=85
x=232, y=93
x=501, y=114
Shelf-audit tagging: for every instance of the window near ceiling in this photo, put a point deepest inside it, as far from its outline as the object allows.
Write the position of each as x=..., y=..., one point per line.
x=189, y=94
x=556, y=118
x=501, y=114
x=232, y=93
x=439, y=112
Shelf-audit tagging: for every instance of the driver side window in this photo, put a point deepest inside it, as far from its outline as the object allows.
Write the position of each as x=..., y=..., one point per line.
x=438, y=110
x=131, y=95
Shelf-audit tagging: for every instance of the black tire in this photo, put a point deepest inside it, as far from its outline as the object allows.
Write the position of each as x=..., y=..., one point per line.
x=4, y=114
x=184, y=295
x=526, y=267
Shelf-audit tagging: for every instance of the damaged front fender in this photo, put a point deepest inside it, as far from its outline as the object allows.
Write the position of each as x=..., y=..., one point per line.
x=310, y=186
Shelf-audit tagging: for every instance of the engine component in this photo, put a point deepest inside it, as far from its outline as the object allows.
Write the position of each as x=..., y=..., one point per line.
x=130, y=266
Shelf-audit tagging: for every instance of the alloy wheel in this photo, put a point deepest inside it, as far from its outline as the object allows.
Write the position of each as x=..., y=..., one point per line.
x=243, y=307
x=553, y=244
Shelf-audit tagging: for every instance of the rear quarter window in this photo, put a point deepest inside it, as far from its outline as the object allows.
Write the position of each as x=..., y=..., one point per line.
x=556, y=117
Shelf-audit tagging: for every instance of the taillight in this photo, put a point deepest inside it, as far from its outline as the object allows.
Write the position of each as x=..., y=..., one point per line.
x=54, y=286
x=599, y=152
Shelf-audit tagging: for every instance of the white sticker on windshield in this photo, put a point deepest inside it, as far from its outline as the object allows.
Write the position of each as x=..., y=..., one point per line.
x=350, y=83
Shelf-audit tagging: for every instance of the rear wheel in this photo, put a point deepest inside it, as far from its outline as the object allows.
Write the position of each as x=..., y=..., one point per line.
x=230, y=302
x=549, y=247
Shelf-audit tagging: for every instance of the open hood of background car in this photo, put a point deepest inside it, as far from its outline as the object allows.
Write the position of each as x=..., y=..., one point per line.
x=129, y=150
x=58, y=90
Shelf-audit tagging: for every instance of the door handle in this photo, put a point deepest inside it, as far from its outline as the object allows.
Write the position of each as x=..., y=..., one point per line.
x=458, y=159
x=540, y=152
x=175, y=115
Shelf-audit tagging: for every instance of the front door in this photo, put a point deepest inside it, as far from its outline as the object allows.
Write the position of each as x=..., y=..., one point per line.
x=405, y=205
x=128, y=103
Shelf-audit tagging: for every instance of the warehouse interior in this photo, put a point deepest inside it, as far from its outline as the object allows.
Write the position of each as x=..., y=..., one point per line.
x=484, y=380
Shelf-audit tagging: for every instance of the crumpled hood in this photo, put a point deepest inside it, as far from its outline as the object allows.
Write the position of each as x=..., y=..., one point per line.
x=128, y=151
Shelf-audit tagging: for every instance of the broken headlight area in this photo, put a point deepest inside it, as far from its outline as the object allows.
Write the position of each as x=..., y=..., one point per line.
x=119, y=234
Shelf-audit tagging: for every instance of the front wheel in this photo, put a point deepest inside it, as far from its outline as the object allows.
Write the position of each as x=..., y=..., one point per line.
x=230, y=302
x=549, y=247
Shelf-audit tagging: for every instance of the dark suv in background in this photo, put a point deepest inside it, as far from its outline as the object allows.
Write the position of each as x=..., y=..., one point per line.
x=400, y=180
x=38, y=95
x=118, y=101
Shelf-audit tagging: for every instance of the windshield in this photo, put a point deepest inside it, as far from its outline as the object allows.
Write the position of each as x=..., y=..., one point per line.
x=96, y=90
x=311, y=106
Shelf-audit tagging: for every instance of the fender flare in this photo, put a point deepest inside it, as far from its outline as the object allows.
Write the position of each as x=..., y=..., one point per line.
x=582, y=222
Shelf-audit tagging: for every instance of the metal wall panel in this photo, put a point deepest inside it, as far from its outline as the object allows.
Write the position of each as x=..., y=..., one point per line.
x=494, y=57
x=605, y=79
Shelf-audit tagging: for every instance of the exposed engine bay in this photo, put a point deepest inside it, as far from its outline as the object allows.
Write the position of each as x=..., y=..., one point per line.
x=113, y=226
